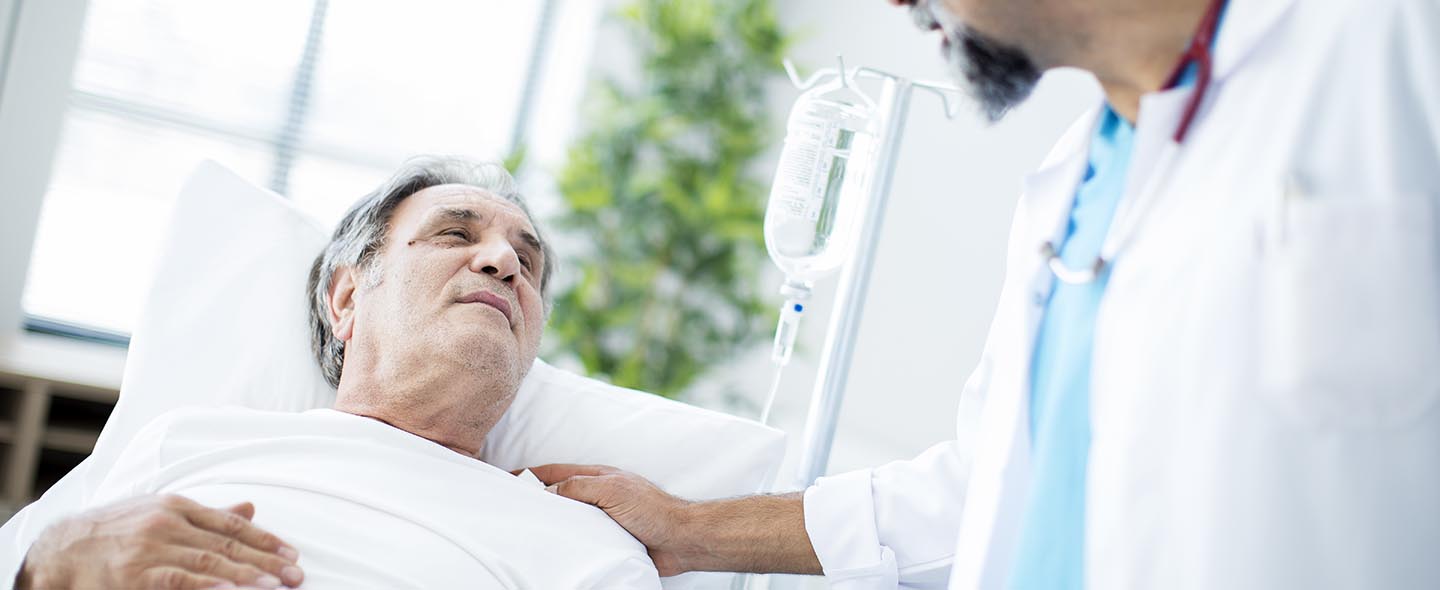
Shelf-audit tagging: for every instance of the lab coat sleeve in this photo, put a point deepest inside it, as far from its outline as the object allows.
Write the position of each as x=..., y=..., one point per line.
x=894, y=525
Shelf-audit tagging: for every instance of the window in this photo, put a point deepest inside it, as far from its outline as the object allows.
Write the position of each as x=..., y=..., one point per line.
x=318, y=100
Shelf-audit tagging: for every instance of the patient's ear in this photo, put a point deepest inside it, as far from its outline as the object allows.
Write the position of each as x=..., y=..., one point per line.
x=342, y=303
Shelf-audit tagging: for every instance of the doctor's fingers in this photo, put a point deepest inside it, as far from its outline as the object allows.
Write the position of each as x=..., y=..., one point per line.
x=557, y=472
x=232, y=551
x=608, y=492
x=631, y=500
x=644, y=510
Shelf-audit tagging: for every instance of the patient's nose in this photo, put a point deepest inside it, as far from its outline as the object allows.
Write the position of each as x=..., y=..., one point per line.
x=497, y=259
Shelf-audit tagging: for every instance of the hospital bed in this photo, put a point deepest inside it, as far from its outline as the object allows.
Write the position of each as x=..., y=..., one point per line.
x=225, y=324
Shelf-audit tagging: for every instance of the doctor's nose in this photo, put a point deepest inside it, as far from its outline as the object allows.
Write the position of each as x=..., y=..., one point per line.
x=497, y=260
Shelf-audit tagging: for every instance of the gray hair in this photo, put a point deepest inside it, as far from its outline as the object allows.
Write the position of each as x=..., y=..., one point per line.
x=362, y=232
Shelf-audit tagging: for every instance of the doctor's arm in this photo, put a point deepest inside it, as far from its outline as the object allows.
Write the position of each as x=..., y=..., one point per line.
x=894, y=525
x=891, y=526
x=764, y=533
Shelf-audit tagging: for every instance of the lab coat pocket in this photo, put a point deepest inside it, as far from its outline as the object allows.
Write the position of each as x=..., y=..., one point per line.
x=1350, y=309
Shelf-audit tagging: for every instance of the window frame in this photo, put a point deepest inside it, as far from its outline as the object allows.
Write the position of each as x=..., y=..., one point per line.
x=27, y=56
x=37, y=57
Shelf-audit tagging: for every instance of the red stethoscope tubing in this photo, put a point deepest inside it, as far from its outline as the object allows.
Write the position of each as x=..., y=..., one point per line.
x=1199, y=54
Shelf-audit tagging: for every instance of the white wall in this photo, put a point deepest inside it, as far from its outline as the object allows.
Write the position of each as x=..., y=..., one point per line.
x=941, y=256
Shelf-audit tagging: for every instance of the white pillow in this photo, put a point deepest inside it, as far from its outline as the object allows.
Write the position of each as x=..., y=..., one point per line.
x=226, y=324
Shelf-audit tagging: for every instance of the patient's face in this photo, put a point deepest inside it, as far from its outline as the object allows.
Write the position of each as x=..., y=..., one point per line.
x=458, y=289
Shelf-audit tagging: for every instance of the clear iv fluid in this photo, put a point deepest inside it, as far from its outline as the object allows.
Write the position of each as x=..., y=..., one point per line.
x=812, y=216
x=819, y=193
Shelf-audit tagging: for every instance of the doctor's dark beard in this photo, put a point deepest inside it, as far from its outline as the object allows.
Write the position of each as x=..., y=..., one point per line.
x=996, y=75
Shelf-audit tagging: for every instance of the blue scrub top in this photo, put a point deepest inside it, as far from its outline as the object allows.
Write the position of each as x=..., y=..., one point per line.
x=1051, y=552
x=1052, y=540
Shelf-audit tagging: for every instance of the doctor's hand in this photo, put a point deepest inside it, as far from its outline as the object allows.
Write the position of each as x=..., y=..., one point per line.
x=648, y=513
x=159, y=542
x=762, y=534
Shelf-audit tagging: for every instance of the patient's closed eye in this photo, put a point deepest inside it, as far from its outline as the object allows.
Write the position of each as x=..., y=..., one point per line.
x=456, y=232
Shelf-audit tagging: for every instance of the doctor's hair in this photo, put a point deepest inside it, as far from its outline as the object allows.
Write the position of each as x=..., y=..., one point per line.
x=362, y=233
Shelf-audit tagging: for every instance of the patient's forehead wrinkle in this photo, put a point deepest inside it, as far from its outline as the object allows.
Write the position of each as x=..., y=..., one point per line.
x=469, y=212
x=471, y=208
x=460, y=214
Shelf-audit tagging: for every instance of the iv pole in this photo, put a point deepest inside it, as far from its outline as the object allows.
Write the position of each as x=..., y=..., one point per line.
x=893, y=109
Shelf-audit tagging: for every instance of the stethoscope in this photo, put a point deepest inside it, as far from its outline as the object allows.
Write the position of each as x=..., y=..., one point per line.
x=1198, y=54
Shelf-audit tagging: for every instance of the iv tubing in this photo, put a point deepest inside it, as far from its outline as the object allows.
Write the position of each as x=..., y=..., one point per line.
x=770, y=401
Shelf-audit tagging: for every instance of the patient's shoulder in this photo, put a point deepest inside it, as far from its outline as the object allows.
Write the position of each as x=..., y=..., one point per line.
x=147, y=452
x=213, y=422
x=172, y=434
x=183, y=433
x=226, y=421
x=221, y=413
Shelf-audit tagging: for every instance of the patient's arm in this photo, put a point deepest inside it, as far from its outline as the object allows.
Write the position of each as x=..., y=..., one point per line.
x=158, y=542
x=762, y=534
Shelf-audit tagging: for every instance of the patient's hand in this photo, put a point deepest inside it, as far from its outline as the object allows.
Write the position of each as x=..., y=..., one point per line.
x=159, y=542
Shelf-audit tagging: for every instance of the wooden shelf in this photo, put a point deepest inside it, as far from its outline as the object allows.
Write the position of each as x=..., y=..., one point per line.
x=46, y=428
x=60, y=438
x=70, y=440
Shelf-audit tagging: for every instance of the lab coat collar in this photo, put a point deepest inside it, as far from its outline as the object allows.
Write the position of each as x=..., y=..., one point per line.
x=1047, y=196
x=1050, y=190
x=1002, y=472
x=1245, y=25
x=1204, y=49
x=994, y=501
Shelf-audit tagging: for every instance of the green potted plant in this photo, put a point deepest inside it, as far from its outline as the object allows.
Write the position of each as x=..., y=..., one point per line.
x=665, y=192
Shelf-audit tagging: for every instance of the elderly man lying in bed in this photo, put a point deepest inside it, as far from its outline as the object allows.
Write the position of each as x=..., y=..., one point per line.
x=427, y=310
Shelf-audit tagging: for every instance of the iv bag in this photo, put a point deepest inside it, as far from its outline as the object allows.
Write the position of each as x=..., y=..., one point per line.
x=820, y=185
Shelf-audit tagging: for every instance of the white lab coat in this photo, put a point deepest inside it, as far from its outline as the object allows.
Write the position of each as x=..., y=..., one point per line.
x=1265, y=396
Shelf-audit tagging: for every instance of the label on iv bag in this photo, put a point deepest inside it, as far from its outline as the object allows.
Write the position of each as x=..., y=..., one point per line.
x=803, y=175
x=812, y=207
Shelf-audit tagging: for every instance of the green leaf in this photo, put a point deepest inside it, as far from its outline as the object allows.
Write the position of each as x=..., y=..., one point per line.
x=662, y=188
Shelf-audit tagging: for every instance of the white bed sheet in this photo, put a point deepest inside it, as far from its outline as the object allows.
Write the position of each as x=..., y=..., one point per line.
x=372, y=506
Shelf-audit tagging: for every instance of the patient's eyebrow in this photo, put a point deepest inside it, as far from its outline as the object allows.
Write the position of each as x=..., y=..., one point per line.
x=461, y=215
x=530, y=240
x=456, y=214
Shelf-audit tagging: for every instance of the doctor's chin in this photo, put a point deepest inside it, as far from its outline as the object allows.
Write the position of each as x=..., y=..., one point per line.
x=720, y=294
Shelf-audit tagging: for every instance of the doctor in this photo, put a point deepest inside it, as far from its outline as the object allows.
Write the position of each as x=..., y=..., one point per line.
x=1216, y=358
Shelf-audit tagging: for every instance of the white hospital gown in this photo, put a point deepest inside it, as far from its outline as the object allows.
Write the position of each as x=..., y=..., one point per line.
x=372, y=506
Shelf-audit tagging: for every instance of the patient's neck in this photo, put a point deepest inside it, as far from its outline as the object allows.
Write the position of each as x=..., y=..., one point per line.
x=454, y=410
